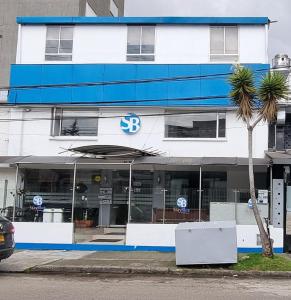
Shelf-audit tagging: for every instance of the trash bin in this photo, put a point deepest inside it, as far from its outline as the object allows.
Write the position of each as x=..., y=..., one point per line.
x=53, y=215
x=206, y=243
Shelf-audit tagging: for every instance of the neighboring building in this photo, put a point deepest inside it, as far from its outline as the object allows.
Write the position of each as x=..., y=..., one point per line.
x=280, y=145
x=128, y=121
x=10, y=9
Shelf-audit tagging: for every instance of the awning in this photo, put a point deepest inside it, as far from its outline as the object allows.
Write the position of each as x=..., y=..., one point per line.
x=155, y=160
x=114, y=151
x=200, y=161
x=280, y=158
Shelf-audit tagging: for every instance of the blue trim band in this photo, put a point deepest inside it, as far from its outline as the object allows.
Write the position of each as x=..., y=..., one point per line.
x=145, y=20
x=94, y=247
x=196, y=90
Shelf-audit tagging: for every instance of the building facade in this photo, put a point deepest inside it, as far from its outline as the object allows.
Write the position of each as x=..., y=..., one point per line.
x=127, y=122
x=9, y=10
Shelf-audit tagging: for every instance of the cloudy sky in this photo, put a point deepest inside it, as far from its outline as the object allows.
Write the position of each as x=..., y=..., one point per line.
x=276, y=10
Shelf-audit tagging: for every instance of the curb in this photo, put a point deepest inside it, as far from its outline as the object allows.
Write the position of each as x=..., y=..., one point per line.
x=51, y=269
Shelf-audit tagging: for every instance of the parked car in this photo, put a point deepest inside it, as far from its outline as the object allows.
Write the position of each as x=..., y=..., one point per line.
x=7, y=243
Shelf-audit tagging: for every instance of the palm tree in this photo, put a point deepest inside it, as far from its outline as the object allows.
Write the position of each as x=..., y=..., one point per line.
x=254, y=105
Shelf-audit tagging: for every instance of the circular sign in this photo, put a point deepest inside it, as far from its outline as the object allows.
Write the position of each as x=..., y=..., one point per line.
x=182, y=202
x=37, y=200
x=130, y=124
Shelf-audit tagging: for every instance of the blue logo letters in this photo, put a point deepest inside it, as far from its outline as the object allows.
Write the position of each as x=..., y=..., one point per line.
x=130, y=124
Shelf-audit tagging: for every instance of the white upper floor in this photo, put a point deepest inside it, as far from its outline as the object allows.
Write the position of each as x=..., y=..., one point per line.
x=47, y=131
x=55, y=40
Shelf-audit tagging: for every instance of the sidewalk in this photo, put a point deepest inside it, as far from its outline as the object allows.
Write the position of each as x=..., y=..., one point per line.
x=147, y=263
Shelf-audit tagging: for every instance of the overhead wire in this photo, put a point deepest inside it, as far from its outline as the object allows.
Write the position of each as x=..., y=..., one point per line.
x=136, y=81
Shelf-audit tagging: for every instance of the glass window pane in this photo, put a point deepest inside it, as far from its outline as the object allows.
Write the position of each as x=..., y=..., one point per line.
x=57, y=57
x=66, y=33
x=51, y=46
x=216, y=40
x=140, y=57
x=221, y=126
x=66, y=46
x=79, y=123
x=224, y=58
x=148, y=39
x=133, y=39
x=52, y=32
x=133, y=49
x=191, y=126
x=231, y=40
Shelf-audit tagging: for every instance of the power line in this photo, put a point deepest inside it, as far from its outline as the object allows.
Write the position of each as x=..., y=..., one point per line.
x=113, y=134
x=118, y=82
x=113, y=117
x=194, y=98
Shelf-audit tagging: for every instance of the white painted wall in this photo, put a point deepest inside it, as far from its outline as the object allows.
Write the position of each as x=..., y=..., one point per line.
x=4, y=126
x=33, y=137
x=53, y=233
x=164, y=235
x=187, y=44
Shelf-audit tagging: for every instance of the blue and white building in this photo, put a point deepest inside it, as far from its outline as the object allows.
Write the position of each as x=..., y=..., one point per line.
x=126, y=122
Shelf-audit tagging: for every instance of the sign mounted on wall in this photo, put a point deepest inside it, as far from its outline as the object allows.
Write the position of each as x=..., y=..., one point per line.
x=130, y=124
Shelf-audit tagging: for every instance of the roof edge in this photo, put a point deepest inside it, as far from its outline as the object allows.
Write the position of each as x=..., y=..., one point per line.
x=143, y=20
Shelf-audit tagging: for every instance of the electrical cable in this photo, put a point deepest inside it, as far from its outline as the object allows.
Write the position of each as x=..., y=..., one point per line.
x=139, y=81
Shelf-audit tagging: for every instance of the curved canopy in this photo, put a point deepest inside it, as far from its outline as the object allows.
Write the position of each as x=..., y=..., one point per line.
x=114, y=151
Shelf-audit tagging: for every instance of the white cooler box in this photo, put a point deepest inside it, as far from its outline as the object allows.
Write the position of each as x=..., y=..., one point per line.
x=206, y=243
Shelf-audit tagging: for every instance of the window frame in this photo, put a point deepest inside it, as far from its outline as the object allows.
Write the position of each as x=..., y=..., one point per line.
x=224, y=56
x=58, y=54
x=56, y=117
x=140, y=54
x=217, y=138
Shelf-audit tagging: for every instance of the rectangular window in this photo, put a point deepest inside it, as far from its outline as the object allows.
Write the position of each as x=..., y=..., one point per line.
x=74, y=122
x=197, y=125
x=59, y=43
x=141, y=43
x=224, y=43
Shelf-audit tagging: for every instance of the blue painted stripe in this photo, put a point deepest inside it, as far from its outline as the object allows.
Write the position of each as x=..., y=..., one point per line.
x=165, y=93
x=91, y=247
x=144, y=20
x=111, y=248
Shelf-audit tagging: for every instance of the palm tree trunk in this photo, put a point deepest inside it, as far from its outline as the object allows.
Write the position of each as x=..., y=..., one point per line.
x=266, y=242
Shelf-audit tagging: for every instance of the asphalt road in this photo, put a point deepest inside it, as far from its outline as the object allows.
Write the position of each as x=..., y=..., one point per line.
x=42, y=287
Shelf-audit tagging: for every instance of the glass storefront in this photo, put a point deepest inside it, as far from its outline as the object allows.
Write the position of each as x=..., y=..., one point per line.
x=98, y=196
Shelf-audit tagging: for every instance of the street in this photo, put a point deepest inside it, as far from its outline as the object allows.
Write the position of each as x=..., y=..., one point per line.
x=107, y=287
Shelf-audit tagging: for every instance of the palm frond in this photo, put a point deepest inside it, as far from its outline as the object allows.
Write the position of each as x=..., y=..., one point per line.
x=274, y=87
x=243, y=92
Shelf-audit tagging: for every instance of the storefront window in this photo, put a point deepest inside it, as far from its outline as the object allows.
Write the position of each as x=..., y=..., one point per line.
x=44, y=196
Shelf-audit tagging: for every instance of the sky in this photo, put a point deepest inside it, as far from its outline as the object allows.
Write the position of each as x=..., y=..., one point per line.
x=276, y=10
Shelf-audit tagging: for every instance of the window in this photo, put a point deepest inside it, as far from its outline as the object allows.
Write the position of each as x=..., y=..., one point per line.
x=198, y=125
x=223, y=43
x=73, y=122
x=59, y=43
x=141, y=43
